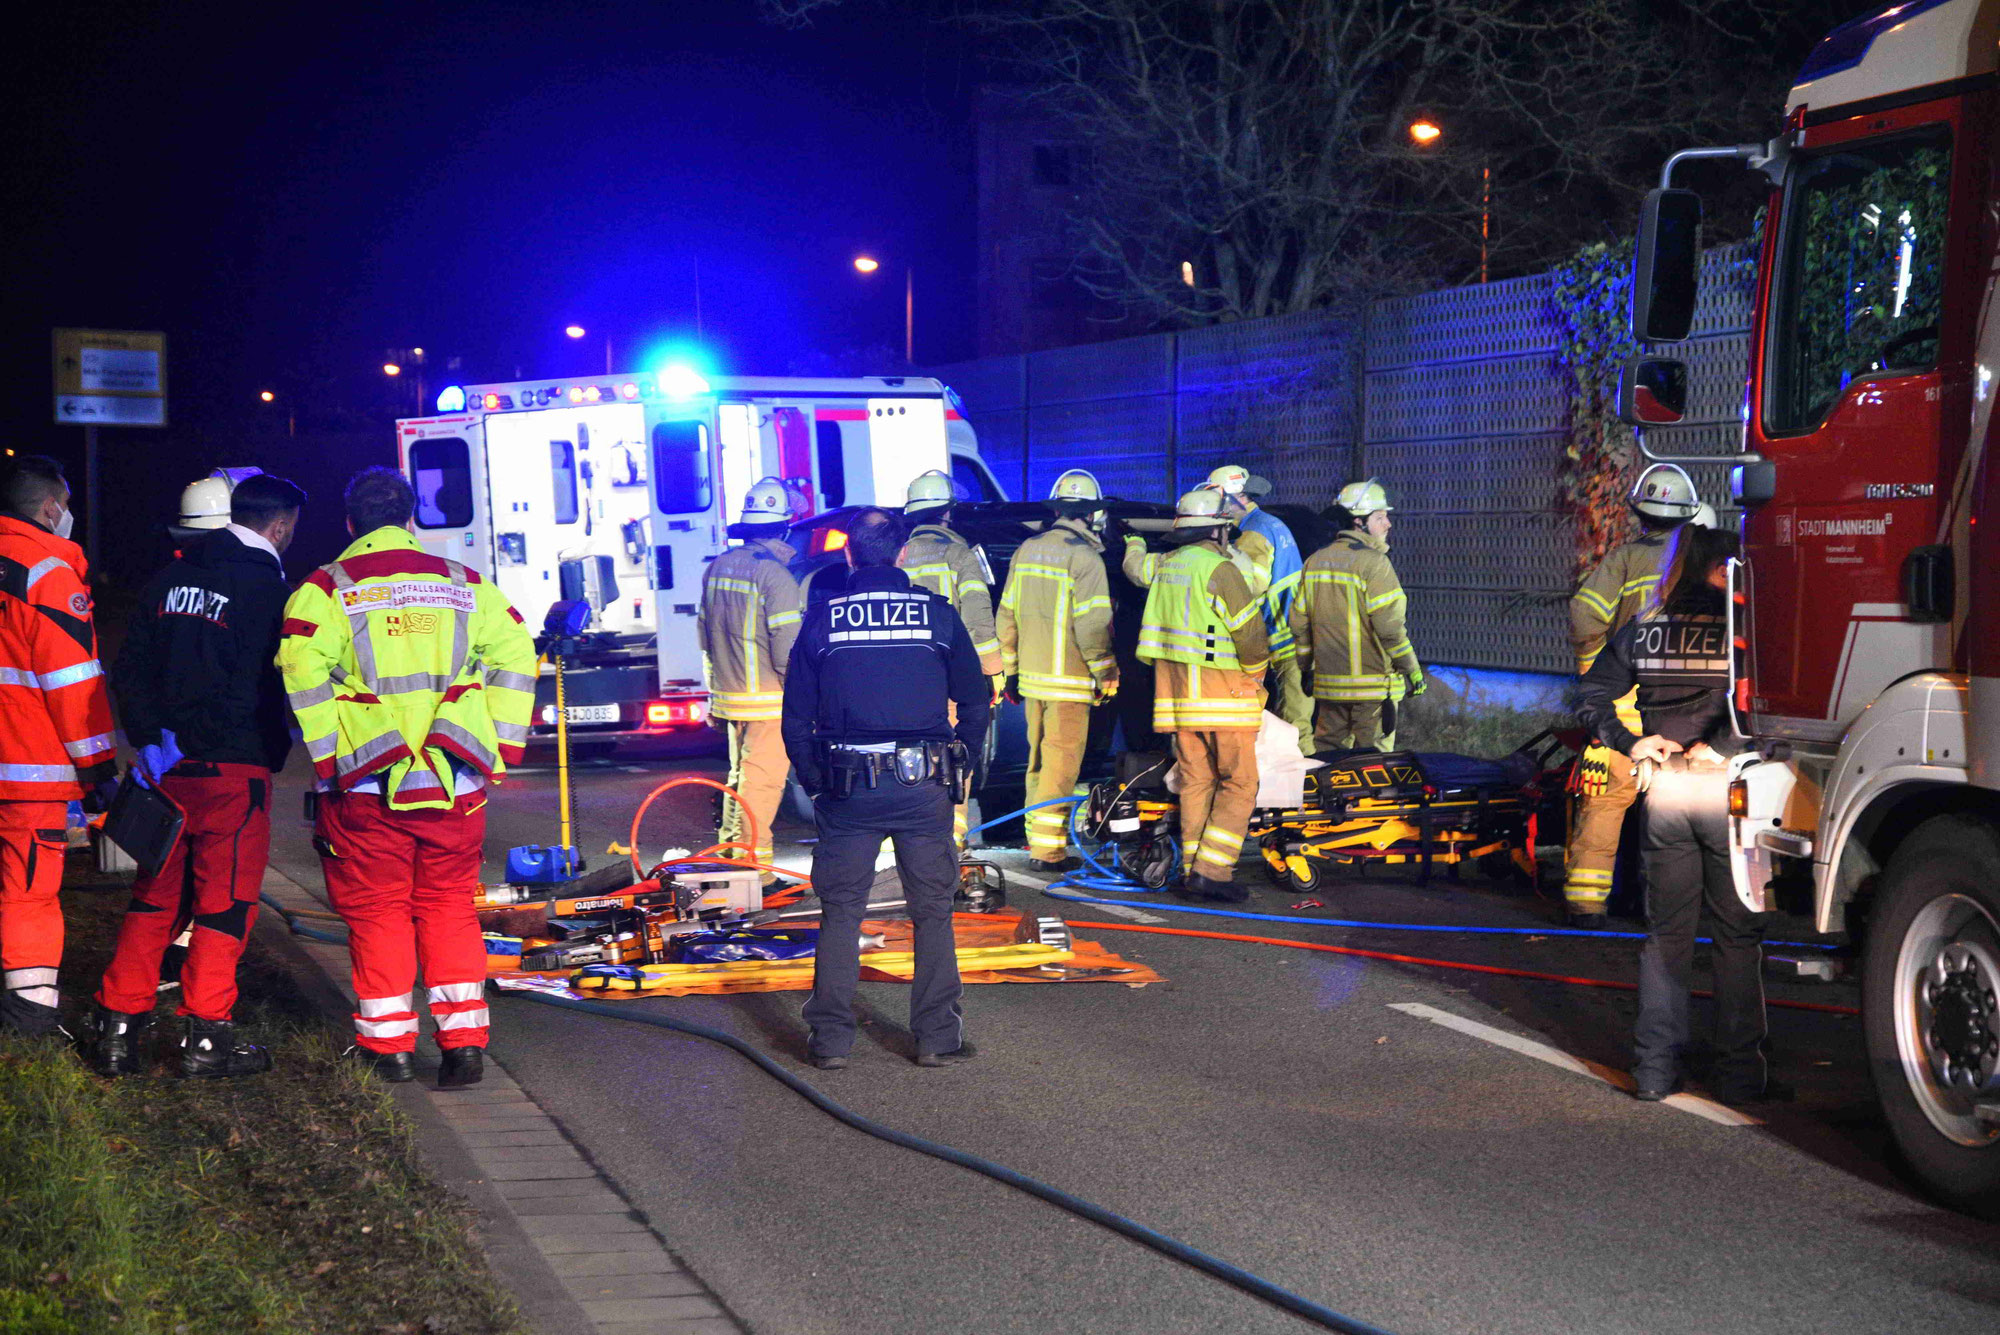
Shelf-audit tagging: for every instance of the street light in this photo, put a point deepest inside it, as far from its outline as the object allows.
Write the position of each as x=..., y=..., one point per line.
x=1423, y=133
x=575, y=330
x=390, y=368
x=266, y=395
x=866, y=264
x=578, y=331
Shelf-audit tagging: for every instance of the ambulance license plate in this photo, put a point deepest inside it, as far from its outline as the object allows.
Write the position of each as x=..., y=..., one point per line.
x=592, y=713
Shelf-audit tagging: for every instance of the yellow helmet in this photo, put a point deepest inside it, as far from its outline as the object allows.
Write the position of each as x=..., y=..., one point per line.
x=1201, y=509
x=767, y=503
x=1236, y=480
x=1665, y=492
x=1076, y=485
x=929, y=491
x=1362, y=499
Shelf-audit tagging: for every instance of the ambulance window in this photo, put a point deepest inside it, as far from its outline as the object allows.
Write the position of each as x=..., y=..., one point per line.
x=968, y=481
x=562, y=468
x=441, y=474
x=832, y=467
x=681, y=480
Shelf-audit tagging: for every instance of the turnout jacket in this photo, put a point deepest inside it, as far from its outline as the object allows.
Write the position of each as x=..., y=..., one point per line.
x=395, y=660
x=1348, y=621
x=199, y=656
x=1276, y=569
x=55, y=721
x=878, y=664
x=1054, y=621
x=750, y=610
x=1205, y=637
x=1624, y=585
x=939, y=560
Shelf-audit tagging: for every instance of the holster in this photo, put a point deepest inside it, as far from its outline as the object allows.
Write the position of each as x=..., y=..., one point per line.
x=910, y=763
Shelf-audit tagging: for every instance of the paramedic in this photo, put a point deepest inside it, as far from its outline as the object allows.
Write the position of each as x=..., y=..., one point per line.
x=1348, y=623
x=1625, y=584
x=413, y=681
x=868, y=728
x=750, y=608
x=1205, y=636
x=1275, y=565
x=1671, y=656
x=201, y=701
x=1055, y=644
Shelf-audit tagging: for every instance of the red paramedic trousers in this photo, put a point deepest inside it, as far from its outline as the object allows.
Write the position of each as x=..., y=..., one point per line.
x=405, y=882
x=32, y=843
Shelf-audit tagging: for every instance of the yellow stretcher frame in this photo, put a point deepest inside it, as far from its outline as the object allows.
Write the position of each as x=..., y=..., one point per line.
x=1297, y=845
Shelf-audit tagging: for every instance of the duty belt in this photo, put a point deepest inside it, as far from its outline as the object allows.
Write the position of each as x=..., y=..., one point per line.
x=910, y=763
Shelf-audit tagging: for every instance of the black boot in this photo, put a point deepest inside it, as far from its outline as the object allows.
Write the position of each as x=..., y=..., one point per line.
x=398, y=1068
x=210, y=1051
x=116, y=1050
x=1197, y=886
x=461, y=1067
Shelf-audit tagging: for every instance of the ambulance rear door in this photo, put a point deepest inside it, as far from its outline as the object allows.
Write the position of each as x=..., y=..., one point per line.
x=445, y=461
x=535, y=482
x=905, y=437
x=686, y=494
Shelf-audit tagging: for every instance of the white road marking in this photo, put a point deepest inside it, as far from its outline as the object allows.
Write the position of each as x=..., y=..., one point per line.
x=1542, y=1052
x=633, y=769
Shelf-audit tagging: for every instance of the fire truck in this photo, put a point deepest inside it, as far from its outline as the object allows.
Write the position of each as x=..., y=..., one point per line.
x=617, y=489
x=1865, y=620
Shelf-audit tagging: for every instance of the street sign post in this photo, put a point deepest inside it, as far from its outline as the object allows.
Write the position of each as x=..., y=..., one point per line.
x=108, y=377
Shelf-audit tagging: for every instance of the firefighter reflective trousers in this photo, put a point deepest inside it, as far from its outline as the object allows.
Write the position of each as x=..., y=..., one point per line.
x=404, y=882
x=851, y=830
x=1592, y=856
x=1687, y=871
x=757, y=770
x=1290, y=700
x=1057, y=733
x=32, y=843
x=1349, y=725
x=1218, y=773
x=210, y=881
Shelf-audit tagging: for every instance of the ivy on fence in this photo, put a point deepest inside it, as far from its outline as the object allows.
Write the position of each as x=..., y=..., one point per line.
x=1591, y=298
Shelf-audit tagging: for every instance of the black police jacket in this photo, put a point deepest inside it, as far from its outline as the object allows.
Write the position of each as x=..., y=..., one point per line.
x=200, y=656
x=879, y=664
x=1672, y=702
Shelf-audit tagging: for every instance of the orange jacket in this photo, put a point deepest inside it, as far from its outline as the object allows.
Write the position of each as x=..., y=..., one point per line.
x=55, y=717
x=40, y=568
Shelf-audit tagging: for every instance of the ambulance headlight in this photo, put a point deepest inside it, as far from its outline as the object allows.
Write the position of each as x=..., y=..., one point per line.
x=681, y=381
x=451, y=399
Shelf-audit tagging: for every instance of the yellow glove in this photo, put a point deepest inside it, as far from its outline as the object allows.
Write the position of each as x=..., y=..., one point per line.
x=1592, y=776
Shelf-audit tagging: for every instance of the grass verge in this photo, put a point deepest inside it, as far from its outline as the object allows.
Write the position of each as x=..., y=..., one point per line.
x=287, y=1202
x=1457, y=716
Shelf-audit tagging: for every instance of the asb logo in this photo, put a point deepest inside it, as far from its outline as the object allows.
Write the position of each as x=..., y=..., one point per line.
x=411, y=623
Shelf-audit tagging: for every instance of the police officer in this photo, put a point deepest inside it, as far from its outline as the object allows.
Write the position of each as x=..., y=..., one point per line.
x=868, y=727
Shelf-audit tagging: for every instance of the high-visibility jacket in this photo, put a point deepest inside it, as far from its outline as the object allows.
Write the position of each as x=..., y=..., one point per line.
x=1206, y=640
x=940, y=561
x=750, y=610
x=1054, y=621
x=1624, y=587
x=1348, y=621
x=397, y=662
x=55, y=717
x=50, y=573
x=1274, y=558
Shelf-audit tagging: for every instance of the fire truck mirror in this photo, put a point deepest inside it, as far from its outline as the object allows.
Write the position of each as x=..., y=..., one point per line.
x=1928, y=584
x=1665, y=266
x=1653, y=391
x=1753, y=483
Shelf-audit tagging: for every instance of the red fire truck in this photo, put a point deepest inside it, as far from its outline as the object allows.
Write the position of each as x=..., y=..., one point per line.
x=1868, y=671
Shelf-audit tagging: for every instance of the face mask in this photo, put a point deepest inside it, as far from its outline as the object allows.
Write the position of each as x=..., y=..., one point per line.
x=65, y=524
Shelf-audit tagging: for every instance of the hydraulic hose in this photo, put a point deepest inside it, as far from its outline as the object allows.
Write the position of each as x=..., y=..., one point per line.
x=1254, y=1285
x=749, y=819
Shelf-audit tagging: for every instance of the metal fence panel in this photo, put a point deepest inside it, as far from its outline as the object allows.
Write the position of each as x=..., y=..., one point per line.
x=1462, y=323
x=1118, y=369
x=1122, y=441
x=1506, y=396
x=990, y=384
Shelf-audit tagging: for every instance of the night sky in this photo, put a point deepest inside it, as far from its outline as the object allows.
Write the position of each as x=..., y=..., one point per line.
x=289, y=191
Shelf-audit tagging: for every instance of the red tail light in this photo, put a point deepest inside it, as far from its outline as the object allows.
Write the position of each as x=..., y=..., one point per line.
x=666, y=713
x=828, y=540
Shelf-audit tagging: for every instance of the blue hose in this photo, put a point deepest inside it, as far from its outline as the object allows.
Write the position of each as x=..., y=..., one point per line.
x=309, y=933
x=1254, y=1285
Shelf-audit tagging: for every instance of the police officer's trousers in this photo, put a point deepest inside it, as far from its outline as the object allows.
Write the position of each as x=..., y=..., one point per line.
x=851, y=830
x=1687, y=869
x=1592, y=855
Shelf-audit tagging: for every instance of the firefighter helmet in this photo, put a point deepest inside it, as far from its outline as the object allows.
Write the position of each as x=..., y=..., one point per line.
x=1076, y=494
x=930, y=491
x=1201, y=509
x=767, y=503
x=1362, y=499
x=205, y=504
x=1665, y=492
x=1236, y=480
x=1705, y=516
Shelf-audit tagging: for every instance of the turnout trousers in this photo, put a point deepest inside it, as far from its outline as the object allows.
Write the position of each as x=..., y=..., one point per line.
x=1290, y=700
x=757, y=770
x=404, y=882
x=1349, y=725
x=851, y=830
x=1057, y=733
x=1218, y=773
x=32, y=843
x=210, y=882
x=1592, y=856
x=1687, y=869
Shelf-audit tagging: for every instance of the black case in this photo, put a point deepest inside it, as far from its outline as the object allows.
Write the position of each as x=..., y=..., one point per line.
x=145, y=822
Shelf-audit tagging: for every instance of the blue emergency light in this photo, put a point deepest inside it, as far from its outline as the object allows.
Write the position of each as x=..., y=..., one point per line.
x=681, y=381
x=451, y=399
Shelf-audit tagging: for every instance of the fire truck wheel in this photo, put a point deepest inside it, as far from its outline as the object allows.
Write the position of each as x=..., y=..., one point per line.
x=1931, y=1007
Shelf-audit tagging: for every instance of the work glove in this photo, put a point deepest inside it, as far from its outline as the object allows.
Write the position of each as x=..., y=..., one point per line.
x=155, y=761
x=97, y=797
x=1417, y=681
x=1011, y=692
x=999, y=687
x=73, y=816
x=1105, y=688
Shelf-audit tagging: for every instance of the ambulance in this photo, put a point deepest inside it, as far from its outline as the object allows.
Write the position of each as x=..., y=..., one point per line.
x=618, y=488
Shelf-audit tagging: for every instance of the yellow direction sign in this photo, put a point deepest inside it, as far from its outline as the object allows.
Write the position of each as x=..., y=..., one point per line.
x=110, y=377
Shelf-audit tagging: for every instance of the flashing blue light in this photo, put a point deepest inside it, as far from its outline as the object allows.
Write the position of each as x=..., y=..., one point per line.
x=681, y=381
x=451, y=399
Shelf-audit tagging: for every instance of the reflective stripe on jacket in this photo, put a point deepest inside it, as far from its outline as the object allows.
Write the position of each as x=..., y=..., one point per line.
x=750, y=612
x=395, y=660
x=1623, y=588
x=55, y=716
x=1348, y=621
x=939, y=560
x=1206, y=641
x=1054, y=622
x=1275, y=556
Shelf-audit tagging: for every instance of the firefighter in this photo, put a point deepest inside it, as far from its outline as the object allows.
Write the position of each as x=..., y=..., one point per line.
x=1682, y=760
x=1623, y=586
x=413, y=681
x=200, y=700
x=1054, y=625
x=750, y=609
x=1205, y=636
x=1267, y=544
x=1348, y=623
x=868, y=728
x=938, y=559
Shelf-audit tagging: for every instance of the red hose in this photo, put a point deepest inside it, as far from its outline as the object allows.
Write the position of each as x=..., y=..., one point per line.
x=749, y=818
x=1418, y=959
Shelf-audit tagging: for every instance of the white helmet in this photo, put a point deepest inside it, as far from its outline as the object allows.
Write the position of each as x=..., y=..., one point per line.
x=1236, y=480
x=929, y=491
x=1076, y=485
x=1201, y=509
x=1362, y=499
x=205, y=504
x=767, y=503
x=1665, y=492
x=1706, y=517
